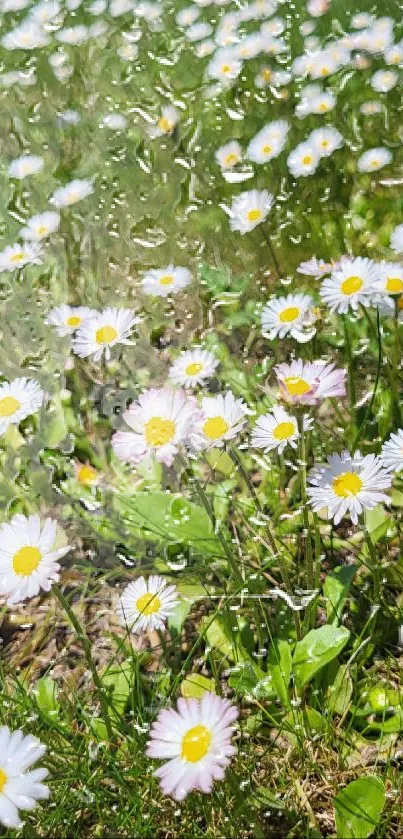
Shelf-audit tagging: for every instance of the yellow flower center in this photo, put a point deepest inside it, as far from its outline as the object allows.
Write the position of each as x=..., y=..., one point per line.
x=307, y=159
x=226, y=68
x=26, y=560
x=284, y=430
x=267, y=149
x=325, y=71
x=290, y=314
x=254, y=215
x=74, y=320
x=41, y=230
x=159, y=431
x=87, y=474
x=323, y=107
x=3, y=780
x=165, y=125
x=193, y=369
x=324, y=144
x=167, y=279
x=394, y=285
x=148, y=604
x=8, y=406
x=296, y=386
x=351, y=285
x=106, y=334
x=215, y=427
x=375, y=163
x=196, y=743
x=346, y=484
x=17, y=257
x=266, y=75
x=231, y=159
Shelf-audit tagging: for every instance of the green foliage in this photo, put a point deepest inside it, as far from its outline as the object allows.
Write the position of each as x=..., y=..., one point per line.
x=358, y=808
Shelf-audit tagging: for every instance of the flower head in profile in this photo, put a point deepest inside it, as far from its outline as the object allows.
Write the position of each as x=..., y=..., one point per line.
x=71, y=193
x=40, y=226
x=28, y=557
x=146, y=604
x=67, y=319
x=160, y=422
x=315, y=268
x=85, y=474
x=249, y=209
x=161, y=282
x=27, y=164
x=276, y=430
x=20, y=786
x=353, y=281
x=348, y=484
x=196, y=741
x=15, y=257
x=229, y=155
x=396, y=239
x=392, y=452
x=98, y=333
x=307, y=383
x=193, y=368
x=221, y=420
x=390, y=278
x=291, y=315
x=374, y=159
x=18, y=400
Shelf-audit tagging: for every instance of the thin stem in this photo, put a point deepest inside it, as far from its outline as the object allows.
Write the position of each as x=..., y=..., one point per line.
x=373, y=564
x=378, y=373
x=272, y=251
x=83, y=637
x=238, y=463
x=350, y=363
x=309, y=560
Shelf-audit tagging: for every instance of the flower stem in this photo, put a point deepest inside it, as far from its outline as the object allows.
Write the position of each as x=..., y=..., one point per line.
x=350, y=363
x=309, y=560
x=373, y=564
x=83, y=637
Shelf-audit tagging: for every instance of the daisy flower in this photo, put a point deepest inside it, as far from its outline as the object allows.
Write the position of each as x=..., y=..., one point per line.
x=28, y=557
x=315, y=268
x=370, y=108
x=290, y=315
x=198, y=31
x=40, y=226
x=159, y=423
x=249, y=209
x=67, y=319
x=146, y=604
x=303, y=160
x=28, y=36
x=17, y=256
x=347, y=485
x=392, y=452
x=326, y=140
x=101, y=331
x=72, y=192
x=167, y=122
x=384, y=80
x=391, y=278
x=19, y=789
x=396, y=239
x=18, y=400
x=229, y=155
x=307, y=383
x=351, y=283
x=27, y=164
x=193, y=368
x=268, y=142
x=223, y=417
x=224, y=66
x=161, y=282
x=374, y=159
x=277, y=429
x=394, y=54
x=196, y=741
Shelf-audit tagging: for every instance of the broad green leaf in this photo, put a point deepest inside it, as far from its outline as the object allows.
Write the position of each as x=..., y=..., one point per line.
x=46, y=696
x=244, y=678
x=358, y=808
x=119, y=680
x=279, y=666
x=195, y=685
x=335, y=589
x=315, y=650
x=340, y=691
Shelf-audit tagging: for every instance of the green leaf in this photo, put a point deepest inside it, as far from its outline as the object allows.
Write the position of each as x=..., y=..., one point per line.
x=340, y=691
x=119, y=680
x=195, y=685
x=335, y=589
x=170, y=518
x=279, y=667
x=358, y=808
x=46, y=696
x=315, y=650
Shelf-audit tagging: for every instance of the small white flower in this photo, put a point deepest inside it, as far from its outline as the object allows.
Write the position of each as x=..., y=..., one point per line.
x=352, y=282
x=160, y=422
x=307, y=383
x=198, y=31
x=269, y=142
x=146, y=604
x=101, y=331
x=374, y=159
x=195, y=742
x=396, y=239
x=193, y=368
x=348, y=484
x=326, y=140
x=276, y=430
x=291, y=315
x=27, y=164
x=67, y=319
x=161, y=282
x=315, y=268
x=16, y=256
x=384, y=80
x=28, y=36
x=370, y=108
x=249, y=209
x=72, y=192
x=390, y=278
x=18, y=400
x=167, y=122
x=115, y=121
x=45, y=12
x=188, y=16
x=222, y=419
x=40, y=226
x=313, y=100
x=303, y=160
x=392, y=452
x=224, y=66
x=229, y=155
x=28, y=557
x=73, y=35
x=19, y=789
x=394, y=54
